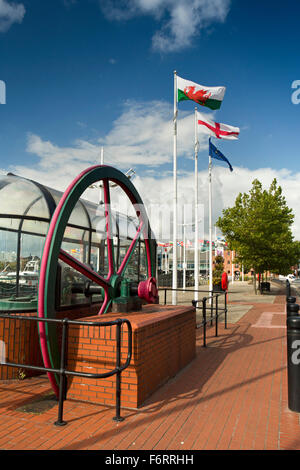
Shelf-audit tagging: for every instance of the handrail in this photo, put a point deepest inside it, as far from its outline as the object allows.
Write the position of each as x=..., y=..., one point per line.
x=210, y=297
x=219, y=312
x=180, y=290
x=63, y=372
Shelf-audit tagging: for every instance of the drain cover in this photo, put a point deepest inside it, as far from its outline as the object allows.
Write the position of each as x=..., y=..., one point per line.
x=39, y=406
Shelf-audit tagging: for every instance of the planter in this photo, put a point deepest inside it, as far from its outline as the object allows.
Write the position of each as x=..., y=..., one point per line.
x=217, y=287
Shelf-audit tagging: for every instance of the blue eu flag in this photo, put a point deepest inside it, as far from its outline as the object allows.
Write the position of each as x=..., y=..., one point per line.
x=215, y=153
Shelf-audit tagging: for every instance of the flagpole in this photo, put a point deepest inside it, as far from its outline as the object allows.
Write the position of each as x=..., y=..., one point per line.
x=101, y=188
x=210, y=222
x=196, y=253
x=174, y=273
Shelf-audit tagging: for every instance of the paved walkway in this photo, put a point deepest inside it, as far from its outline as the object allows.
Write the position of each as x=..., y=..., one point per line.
x=232, y=396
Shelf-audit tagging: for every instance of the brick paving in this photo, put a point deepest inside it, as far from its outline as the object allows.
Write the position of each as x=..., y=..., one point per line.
x=232, y=396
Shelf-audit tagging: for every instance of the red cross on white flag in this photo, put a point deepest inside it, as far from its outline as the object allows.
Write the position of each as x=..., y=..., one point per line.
x=215, y=129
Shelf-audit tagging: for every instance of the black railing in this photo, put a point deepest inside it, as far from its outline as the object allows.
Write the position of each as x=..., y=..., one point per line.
x=63, y=372
x=166, y=289
x=214, y=306
x=215, y=312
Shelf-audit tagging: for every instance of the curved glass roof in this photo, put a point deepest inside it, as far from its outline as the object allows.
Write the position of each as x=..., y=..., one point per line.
x=19, y=196
x=25, y=199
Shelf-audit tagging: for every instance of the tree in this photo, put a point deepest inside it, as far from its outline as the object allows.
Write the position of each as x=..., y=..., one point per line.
x=258, y=228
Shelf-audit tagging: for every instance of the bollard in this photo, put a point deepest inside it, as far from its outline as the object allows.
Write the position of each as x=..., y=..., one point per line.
x=293, y=362
x=292, y=310
x=288, y=288
x=290, y=300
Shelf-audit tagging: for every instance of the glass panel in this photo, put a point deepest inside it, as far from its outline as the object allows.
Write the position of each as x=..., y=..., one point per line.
x=78, y=216
x=143, y=268
x=19, y=196
x=22, y=283
x=30, y=260
x=131, y=272
x=71, y=280
x=38, y=208
x=127, y=226
x=8, y=263
x=35, y=227
x=55, y=194
x=75, y=243
x=10, y=224
x=74, y=236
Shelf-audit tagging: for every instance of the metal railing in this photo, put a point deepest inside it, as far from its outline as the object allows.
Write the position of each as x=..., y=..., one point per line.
x=214, y=306
x=63, y=372
x=215, y=312
x=166, y=289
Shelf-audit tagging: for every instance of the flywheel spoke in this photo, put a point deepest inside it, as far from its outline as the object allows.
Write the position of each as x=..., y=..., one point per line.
x=130, y=250
x=109, y=235
x=83, y=269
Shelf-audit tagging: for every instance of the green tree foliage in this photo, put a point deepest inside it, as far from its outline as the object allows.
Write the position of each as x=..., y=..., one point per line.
x=258, y=228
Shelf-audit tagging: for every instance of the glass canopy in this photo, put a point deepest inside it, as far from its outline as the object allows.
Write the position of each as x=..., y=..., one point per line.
x=26, y=208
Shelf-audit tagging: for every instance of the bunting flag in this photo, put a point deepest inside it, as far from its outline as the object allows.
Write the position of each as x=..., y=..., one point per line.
x=210, y=97
x=215, y=129
x=215, y=153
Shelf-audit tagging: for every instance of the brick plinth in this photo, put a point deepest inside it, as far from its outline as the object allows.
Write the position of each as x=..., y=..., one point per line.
x=21, y=344
x=164, y=339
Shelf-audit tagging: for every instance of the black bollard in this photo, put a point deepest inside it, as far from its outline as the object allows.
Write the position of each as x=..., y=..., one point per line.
x=293, y=361
x=292, y=310
x=288, y=289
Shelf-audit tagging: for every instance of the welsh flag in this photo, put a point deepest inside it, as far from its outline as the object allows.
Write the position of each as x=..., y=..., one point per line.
x=210, y=97
x=215, y=129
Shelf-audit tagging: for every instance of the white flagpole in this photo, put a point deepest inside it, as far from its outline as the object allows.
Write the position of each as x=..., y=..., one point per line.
x=101, y=188
x=196, y=253
x=210, y=223
x=174, y=273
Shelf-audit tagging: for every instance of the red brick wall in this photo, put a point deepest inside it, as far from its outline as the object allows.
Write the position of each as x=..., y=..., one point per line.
x=22, y=342
x=21, y=345
x=163, y=344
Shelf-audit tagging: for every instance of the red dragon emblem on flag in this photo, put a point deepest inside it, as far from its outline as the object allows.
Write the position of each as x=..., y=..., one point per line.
x=200, y=96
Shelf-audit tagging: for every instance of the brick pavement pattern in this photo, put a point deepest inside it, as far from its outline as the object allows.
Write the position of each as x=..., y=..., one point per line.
x=233, y=395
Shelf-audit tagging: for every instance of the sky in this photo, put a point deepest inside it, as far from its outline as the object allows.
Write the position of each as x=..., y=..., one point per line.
x=85, y=74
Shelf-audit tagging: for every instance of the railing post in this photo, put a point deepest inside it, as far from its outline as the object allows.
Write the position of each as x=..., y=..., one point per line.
x=204, y=320
x=118, y=417
x=225, y=294
x=62, y=381
x=165, y=296
x=211, y=309
x=217, y=314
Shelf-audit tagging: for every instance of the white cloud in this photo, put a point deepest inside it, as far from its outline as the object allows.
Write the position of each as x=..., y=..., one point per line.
x=10, y=13
x=181, y=20
x=142, y=138
x=141, y=135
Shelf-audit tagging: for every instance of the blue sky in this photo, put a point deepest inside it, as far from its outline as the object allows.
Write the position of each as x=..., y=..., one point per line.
x=81, y=74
